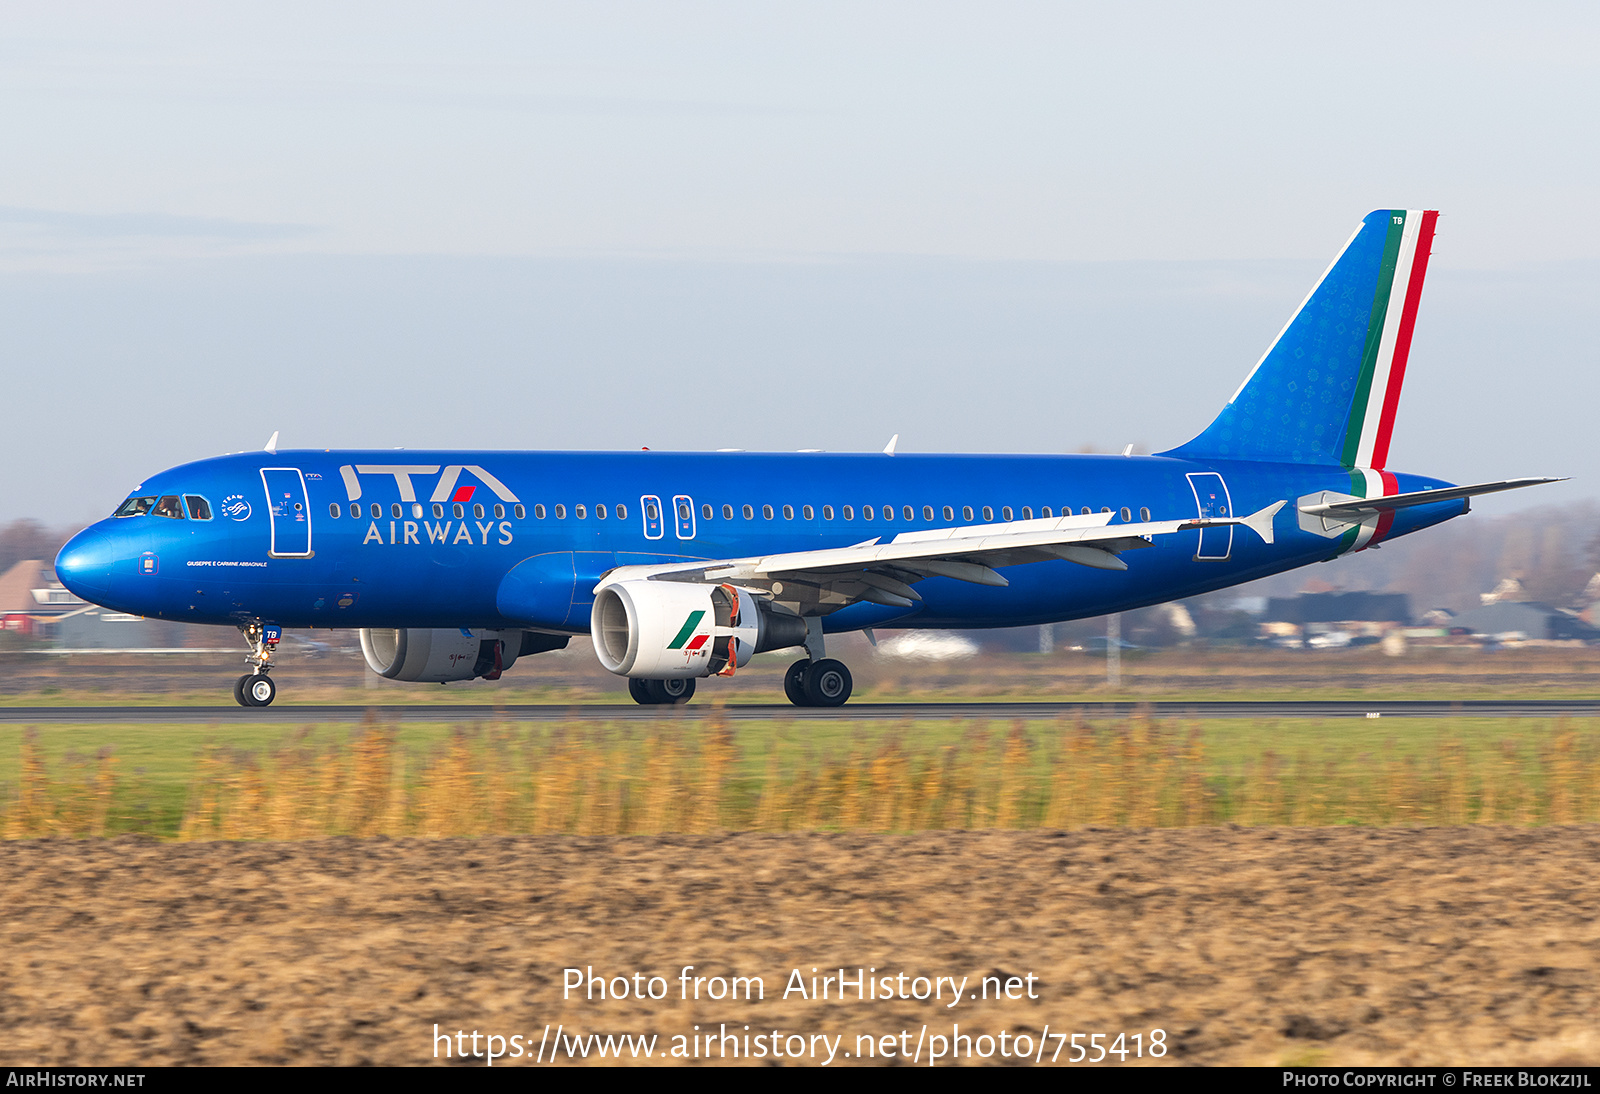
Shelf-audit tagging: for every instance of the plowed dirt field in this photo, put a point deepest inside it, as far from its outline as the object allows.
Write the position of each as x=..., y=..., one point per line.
x=1245, y=946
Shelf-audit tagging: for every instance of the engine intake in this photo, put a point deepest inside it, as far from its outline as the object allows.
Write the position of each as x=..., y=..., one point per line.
x=663, y=630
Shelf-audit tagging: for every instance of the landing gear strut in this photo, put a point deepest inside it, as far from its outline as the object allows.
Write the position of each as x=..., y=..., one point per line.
x=822, y=683
x=256, y=689
x=659, y=692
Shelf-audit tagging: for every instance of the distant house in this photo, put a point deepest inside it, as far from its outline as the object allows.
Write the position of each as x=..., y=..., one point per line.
x=1530, y=619
x=1339, y=608
x=33, y=604
x=31, y=599
x=95, y=628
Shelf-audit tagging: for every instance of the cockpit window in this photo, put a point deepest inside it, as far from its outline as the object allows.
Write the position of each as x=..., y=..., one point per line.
x=199, y=508
x=169, y=506
x=134, y=507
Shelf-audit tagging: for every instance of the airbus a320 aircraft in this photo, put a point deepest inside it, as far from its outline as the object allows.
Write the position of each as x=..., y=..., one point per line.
x=455, y=565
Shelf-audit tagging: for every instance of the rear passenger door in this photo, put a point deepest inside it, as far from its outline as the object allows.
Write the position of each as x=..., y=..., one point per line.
x=1211, y=500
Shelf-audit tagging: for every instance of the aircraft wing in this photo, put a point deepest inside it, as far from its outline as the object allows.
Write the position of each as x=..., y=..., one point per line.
x=1357, y=509
x=822, y=581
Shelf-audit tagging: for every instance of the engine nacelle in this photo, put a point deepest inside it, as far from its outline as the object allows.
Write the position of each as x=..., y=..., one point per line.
x=661, y=630
x=437, y=655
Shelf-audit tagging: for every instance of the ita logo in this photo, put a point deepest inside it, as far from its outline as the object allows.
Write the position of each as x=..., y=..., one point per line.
x=236, y=507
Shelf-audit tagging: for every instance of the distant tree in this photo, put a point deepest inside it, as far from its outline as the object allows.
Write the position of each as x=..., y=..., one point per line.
x=24, y=539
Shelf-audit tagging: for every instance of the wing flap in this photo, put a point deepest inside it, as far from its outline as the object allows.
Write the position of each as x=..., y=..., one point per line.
x=883, y=573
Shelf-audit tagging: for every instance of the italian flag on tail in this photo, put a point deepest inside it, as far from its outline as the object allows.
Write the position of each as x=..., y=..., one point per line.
x=1368, y=483
x=1383, y=365
x=1388, y=343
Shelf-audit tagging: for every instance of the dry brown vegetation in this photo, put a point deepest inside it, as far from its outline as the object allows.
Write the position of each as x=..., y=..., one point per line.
x=697, y=776
x=1473, y=945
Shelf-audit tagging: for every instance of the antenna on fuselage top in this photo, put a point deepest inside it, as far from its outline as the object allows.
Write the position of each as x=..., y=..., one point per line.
x=272, y=443
x=888, y=449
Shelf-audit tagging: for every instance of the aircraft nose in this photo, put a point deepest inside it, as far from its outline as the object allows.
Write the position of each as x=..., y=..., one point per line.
x=84, y=564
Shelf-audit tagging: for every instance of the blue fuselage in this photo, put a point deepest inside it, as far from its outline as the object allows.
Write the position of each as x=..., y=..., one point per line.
x=515, y=539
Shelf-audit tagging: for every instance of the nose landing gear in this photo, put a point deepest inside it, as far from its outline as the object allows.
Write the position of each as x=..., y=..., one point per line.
x=256, y=689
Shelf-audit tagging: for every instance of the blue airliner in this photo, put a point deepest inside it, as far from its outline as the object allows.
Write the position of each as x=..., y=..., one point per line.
x=454, y=565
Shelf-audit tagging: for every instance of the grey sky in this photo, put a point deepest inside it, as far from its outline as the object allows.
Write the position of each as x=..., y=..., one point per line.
x=996, y=226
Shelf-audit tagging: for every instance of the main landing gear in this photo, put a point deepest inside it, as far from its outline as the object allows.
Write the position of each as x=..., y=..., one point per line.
x=673, y=692
x=823, y=683
x=256, y=689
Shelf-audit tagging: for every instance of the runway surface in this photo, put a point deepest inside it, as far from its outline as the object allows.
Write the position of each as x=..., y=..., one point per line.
x=451, y=712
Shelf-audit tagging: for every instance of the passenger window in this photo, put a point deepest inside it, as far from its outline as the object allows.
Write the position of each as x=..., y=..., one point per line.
x=1085, y=511
x=1027, y=512
x=908, y=512
x=1044, y=511
x=766, y=511
x=827, y=512
x=705, y=511
x=600, y=512
x=355, y=510
x=749, y=513
x=519, y=512
x=561, y=511
x=808, y=512
x=500, y=512
x=788, y=512
x=949, y=513
x=1144, y=513
x=988, y=512
x=416, y=510
x=927, y=512
x=134, y=507
x=458, y=510
x=394, y=510
x=438, y=509
x=849, y=512
x=376, y=510
x=966, y=512
x=888, y=512
x=622, y=511
x=538, y=510
x=200, y=508
x=683, y=510
x=727, y=512
x=1126, y=514
x=580, y=511
x=477, y=511
x=867, y=512
x=334, y=511
x=169, y=506
x=1005, y=512
x=651, y=513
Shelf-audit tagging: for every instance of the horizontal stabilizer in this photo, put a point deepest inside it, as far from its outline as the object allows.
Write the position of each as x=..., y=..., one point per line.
x=1358, y=508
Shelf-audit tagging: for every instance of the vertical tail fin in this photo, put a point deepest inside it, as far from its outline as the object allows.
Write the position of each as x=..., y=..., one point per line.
x=1327, y=390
